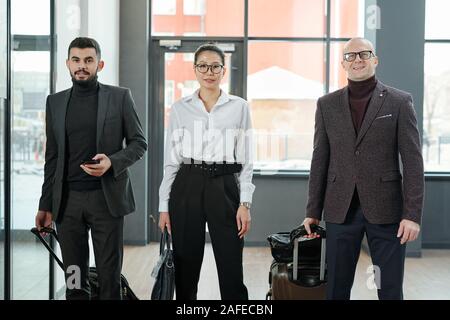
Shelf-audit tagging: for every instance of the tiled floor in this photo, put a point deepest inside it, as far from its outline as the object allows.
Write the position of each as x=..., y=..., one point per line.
x=425, y=278
x=29, y=271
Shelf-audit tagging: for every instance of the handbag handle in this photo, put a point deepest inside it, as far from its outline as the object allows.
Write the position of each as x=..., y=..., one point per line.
x=166, y=241
x=300, y=231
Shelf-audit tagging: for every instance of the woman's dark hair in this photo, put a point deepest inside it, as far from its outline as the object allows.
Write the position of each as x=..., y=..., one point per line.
x=83, y=43
x=209, y=47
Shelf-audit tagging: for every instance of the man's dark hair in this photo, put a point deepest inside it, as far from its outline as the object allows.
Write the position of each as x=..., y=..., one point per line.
x=209, y=47
x=83, y=43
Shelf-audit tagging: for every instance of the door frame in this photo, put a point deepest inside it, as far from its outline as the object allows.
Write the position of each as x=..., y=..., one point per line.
x=156, y=106
x=6, y=124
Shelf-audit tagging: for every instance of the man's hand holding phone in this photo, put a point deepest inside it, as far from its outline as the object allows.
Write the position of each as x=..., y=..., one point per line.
x=97, y=166
x=85, y=162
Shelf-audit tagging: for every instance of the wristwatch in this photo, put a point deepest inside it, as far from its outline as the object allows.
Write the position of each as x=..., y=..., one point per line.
x=246, y=204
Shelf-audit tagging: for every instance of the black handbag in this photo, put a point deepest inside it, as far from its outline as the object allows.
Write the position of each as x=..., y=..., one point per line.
x=164, y=271
x=281, y=246
x=282, y=243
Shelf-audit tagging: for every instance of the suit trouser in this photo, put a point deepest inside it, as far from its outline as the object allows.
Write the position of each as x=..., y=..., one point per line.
x=83, y=211
x=343, y=249
x=197, y=198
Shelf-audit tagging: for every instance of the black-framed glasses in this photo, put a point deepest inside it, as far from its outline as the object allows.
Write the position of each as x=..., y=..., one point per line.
x=203, y=68
x=363, y=55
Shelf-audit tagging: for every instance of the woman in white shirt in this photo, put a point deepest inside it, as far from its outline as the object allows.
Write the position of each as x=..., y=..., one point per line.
x=208, y=178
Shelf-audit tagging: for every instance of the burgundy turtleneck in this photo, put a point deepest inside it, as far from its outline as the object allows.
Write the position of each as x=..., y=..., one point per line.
x=359, y=94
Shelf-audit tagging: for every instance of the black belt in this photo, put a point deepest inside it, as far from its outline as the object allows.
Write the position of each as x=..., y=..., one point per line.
x=213, y=169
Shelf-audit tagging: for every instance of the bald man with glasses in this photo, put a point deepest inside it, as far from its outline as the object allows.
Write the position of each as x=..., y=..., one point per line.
x=362, y=133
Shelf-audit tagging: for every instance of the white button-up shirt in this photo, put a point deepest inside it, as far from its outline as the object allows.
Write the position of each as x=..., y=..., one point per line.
x=223, y=134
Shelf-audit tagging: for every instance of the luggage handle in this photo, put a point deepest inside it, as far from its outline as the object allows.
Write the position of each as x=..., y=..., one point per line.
x=51, y=231
x=300, y=231
x=322, y=259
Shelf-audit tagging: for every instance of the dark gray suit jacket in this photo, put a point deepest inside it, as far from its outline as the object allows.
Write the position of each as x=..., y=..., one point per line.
x=368, y=161
x=117, y=122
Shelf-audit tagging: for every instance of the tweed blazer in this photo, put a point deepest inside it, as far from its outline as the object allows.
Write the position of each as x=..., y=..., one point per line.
x=383, y=161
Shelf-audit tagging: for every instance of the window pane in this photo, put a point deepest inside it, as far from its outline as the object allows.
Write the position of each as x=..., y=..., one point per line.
x=198, y=18
x=30, y=17
x=436, y=19
x=164, y=7
x=284, y=81
x=30, y=88
x=3, y=76
x=3, y=44
x=194, y=7
x=347, y=18
x=436, y=113
x=338, y=76
x=292, y=18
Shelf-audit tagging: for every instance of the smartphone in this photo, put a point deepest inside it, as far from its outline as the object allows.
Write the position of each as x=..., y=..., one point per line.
x=90, y=162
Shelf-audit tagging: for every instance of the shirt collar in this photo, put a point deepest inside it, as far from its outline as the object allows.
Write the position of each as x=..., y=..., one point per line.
x=223, y=98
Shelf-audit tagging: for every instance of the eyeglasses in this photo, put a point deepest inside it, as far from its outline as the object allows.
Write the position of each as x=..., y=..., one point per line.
x=203, y=68
x=364, y=55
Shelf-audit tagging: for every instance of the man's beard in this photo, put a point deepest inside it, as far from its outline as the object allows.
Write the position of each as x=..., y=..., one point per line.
x=86, y=82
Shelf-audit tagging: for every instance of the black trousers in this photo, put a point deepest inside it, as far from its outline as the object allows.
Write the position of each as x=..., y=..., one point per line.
x=197, y=198
x=343, y=249
x=84, y=211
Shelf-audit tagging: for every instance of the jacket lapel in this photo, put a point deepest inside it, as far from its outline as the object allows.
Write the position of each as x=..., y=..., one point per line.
x=103, y=101
x=346, y=115
x=60, y=124
x=374, y=106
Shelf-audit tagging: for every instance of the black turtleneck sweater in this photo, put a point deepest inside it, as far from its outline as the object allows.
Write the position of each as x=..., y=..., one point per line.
x=81, y=133
x=359, y=93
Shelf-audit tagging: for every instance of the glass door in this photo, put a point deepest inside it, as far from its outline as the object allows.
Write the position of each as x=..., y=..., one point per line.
x=30, y=85
x=179, y=77
x=3, y=97
x=173, y=77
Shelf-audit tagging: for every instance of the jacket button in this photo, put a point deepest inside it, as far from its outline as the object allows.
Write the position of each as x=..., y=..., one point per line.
x=357, y=152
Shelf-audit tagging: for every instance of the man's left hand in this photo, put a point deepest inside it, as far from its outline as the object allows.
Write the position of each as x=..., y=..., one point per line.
x=408, y=231
x=97, y=170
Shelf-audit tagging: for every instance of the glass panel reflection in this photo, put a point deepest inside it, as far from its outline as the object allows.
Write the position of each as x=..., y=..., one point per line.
x=284, y=81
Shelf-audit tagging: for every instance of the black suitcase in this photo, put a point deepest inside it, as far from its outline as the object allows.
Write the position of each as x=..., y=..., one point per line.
x=127, y=293
x=301, y=273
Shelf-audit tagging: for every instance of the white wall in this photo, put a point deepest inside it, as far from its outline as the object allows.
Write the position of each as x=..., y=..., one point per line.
x=68, y=26
x=103, y=26
x=98, y=19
